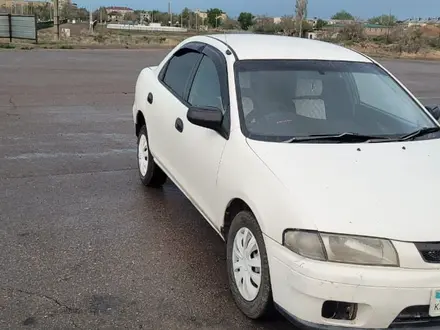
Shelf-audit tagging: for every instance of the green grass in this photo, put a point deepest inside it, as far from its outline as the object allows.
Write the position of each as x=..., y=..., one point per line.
x=7, y=46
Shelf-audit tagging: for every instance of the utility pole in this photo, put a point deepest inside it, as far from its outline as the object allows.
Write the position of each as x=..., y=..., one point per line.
x=389, y=26
x=169, y=13
x=216, y=21
x=197, y=14
x=56, y=18
x=90, y=21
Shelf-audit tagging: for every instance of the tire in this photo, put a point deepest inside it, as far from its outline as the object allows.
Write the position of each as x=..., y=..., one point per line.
x=256, y=304
x=150, y=174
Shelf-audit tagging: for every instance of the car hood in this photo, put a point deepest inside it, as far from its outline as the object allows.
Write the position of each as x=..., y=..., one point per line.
x=375, y=189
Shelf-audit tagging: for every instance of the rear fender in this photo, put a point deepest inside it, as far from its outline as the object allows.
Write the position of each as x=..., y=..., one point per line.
x=144, y=84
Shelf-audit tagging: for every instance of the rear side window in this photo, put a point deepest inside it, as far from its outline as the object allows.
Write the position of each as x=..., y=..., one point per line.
x=178, y=71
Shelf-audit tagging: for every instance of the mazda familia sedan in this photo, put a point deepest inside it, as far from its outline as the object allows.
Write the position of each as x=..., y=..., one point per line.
x=317, y=167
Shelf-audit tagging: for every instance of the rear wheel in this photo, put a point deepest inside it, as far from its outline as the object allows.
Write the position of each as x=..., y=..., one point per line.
x=248, y=268
x=150, y=174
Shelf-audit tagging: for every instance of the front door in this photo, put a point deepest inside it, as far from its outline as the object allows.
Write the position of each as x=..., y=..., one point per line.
x=198, y=149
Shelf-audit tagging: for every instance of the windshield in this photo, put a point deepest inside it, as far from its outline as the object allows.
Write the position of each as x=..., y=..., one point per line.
x=283, y=99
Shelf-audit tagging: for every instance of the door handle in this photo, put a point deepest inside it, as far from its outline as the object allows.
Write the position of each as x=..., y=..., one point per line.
x=179, y=125
x=150, y=98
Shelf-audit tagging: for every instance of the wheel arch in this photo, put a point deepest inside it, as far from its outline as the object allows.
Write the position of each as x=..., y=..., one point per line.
x=235, y=206
x=140, y=121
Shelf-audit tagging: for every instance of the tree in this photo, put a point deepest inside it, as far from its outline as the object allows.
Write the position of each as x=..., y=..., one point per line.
x=306, y=26
x=288, y=25
x=130, y=16
x=100, y=15
x=160, y=17
x=246, y=20
x=185, y=17
x=67, y=11
x=153, y=14
x=301, y=14
x=264, y=24
x=214, y=17
x=353, y=32
x=320, y=24
x=343, y=15
x=70, y=12
x=83, y=14
x=230, y=24
x=388, y=20
x=43, y=12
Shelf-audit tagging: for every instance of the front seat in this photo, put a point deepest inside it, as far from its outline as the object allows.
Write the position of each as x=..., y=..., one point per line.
x=308, y=98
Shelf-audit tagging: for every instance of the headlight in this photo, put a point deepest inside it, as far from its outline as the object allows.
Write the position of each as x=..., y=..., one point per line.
x=342, y=248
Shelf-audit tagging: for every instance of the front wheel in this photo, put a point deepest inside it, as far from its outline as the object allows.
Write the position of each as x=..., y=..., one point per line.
x=150, y=174
x=248, y=267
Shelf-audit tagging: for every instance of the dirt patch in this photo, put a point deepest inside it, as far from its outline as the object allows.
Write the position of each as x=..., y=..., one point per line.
x=389, y=51
x=101, y=38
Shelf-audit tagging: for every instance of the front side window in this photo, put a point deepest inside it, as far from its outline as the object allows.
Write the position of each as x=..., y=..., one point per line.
x=179, y=70
x=283, y=99
x=205, y=90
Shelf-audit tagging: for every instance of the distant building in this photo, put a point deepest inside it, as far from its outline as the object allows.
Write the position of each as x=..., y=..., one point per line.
x=372, y=30
x=312, y=21
x=116, y=13
x=417, y=23
x=144, y=17
x=340, y=21
x=204, y=15
x=119, y=10
x=312, y=35
x=267, y=20
x=62, y=3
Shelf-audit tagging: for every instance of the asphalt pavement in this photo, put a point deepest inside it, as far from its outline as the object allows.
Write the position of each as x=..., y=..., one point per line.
x=82, y=243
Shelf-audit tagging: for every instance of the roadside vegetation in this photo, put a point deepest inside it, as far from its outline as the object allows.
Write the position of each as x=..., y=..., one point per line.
x=378, y=36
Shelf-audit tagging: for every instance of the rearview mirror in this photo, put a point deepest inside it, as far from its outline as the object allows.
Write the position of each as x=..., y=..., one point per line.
x=434, y=110
x=208, y=117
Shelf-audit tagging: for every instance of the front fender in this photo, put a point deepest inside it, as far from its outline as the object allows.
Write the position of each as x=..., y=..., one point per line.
x=243, y=175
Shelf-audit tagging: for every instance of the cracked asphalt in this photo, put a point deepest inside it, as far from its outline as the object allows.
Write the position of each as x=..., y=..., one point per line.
x=82, y=244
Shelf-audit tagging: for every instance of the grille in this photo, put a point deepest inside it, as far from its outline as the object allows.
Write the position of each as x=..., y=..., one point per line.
x=430, y=251
x=415, y=317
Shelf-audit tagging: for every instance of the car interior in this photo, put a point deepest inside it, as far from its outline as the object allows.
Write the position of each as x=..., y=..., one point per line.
x=305, y=103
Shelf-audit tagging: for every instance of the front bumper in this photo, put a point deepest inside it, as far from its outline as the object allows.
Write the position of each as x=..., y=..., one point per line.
x=385, y=296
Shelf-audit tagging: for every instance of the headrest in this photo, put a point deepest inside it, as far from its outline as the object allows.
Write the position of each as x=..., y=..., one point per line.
x=244, y=79
x=247, y=105
x=308, y=87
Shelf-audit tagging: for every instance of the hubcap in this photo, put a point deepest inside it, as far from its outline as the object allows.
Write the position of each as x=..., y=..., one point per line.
x=143, y=155
x=247, y=264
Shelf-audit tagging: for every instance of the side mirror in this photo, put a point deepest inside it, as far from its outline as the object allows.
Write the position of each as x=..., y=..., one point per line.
x=434, y=110
x=208, y=117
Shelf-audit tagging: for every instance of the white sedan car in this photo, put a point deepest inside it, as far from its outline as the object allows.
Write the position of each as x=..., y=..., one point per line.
x=315, y=165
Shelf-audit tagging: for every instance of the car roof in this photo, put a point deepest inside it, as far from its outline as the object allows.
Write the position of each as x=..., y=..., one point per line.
x=257, y=46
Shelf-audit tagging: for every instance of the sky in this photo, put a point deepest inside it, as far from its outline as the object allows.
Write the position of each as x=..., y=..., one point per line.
x=319, y=8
